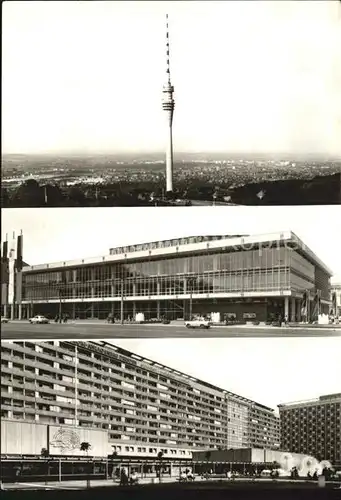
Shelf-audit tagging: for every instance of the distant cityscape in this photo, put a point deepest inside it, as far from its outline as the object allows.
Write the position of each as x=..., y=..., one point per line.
x=199, y=179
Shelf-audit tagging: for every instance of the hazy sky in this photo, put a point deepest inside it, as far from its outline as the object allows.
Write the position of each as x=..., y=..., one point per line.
x=269, y=371
x=248, y=76
x=56, y=234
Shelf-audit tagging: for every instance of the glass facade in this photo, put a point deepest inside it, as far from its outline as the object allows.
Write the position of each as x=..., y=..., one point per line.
x=264, y=270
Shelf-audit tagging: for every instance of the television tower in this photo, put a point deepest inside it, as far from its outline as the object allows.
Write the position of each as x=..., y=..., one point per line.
x=168, y=106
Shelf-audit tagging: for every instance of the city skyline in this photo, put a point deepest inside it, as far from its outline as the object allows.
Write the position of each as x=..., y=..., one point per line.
x=91, y=232
x=248, y=77
x=276, y=365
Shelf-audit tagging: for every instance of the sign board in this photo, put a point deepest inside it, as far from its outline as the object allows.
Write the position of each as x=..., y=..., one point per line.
x=249, y=315
x=65, y=440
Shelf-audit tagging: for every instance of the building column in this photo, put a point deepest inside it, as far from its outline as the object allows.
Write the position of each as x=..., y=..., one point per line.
x=298, y=308
x=134, y=310
x=286, y=307
x=92, y=310
x=19, y=311
x=158, y=309
x=293, y=309
x=73, y=311
x=5, y=310
x=92, y=290
x=12, y=306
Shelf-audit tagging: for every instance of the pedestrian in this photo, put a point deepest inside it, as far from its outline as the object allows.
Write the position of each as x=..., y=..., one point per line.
x=123, y=478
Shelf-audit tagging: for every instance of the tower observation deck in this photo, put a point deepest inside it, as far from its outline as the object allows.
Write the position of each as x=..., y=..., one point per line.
x=168, y=104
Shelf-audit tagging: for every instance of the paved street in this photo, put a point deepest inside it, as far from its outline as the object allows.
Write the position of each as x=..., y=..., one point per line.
x=22, y=330
x=100, y=483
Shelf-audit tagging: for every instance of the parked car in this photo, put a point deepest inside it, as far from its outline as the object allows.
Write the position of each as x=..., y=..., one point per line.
x=4, y=319
x=39, y=320
x=197, y=323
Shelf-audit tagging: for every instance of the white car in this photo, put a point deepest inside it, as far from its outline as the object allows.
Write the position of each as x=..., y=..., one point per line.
x=197, y=323
x=4, y=320
x=39, y=320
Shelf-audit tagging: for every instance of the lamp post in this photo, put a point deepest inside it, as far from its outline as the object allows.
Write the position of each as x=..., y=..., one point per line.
x=60, y=304
x=191, y=282
x=122, y=301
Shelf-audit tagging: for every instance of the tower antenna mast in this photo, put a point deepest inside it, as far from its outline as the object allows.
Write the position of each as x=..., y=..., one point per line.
x=168, y=106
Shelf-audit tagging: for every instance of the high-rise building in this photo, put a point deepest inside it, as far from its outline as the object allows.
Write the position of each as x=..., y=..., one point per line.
x=168, y=104
x=247, y=278
x=142, y=405
x=313, y=427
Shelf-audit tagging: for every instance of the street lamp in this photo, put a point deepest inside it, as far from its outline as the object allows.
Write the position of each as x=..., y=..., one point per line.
x=62, y=287
x=191, y=282
x=60, y=304
x=122, y=301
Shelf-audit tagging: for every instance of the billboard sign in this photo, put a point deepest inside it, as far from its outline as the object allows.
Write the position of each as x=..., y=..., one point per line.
x=65, y=440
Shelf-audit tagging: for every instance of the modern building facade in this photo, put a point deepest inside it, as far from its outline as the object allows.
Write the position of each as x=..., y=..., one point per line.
x=313, y=427
x=241, y=277
x=141, y=405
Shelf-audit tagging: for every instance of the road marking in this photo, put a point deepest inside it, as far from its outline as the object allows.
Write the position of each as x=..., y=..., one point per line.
x=46, y=486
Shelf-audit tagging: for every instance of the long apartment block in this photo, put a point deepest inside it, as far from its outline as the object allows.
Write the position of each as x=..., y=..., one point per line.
x=142, y=404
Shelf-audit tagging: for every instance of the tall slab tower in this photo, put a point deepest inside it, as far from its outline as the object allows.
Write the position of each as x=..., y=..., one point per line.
x=168, y=106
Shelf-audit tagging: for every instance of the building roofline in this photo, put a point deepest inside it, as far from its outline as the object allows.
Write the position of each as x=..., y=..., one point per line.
x=326, y=398
x=228, y=244
x=187, y=378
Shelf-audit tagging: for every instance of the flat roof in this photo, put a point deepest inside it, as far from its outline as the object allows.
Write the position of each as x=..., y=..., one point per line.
x=321, y=399
x=226, y=243
x=186, y=240
x=168, y=370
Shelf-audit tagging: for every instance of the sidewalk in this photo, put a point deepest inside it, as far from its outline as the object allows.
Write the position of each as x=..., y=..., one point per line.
x=81, y=484
x=102, y=322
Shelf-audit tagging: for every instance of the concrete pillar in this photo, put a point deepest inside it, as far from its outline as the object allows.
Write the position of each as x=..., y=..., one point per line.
x=134, y=310
x=12, y=311
x=73, y=311
x=293, y=309
x=5, y=310
x=92, y=284
x=19, y=311
x=299, y=307
x=169, y=160
x=158, y=309
x=286, y=307
x=92, y=310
